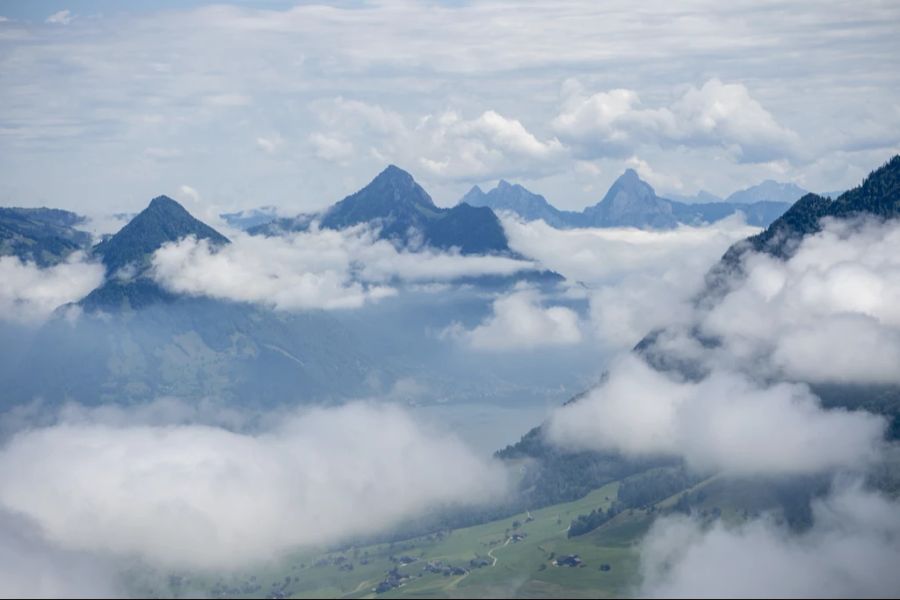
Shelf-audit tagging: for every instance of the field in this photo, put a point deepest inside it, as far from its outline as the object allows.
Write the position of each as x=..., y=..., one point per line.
x=510, y=557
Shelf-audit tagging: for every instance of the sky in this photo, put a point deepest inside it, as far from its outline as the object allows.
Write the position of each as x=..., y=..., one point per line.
x=105, y=105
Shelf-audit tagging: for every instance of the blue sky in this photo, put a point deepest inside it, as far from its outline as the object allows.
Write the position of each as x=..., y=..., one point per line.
x=104, y=105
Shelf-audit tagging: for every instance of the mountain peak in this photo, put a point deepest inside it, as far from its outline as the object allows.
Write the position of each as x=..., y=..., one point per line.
x=164, y=220
x=503, y=184
x=164, y=202
x=393, y=198
x=393, y=173
x=768, y=190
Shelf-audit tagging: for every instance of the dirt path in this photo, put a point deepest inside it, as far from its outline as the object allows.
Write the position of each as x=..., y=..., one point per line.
x=491, y=551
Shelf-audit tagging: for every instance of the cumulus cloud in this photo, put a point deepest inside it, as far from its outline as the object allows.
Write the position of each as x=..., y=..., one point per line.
x=636, y=280
x=314, y=269
x=519, y=322
x=30, y=293
x=615, y=123
x=851, y=551
x=447, y=145
x=724, y=422
x=829, y=314
x=200, y=496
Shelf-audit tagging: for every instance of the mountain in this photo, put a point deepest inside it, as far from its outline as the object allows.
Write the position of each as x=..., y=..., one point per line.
x=254, y=217
x=526, y=204
x=758, y=214
x=701, y=197
x=770, y=190
x=164, y=220
x=878, y=195
x=553, y=474
x=405, y=213
x=41, y=235
x=631, y=202
x=136, y=341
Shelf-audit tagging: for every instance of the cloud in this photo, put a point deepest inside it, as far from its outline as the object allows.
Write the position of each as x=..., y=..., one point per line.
x=636, y=280
x=519, y=322
x=32, y=567
x=30, y=293
x=200, y=496
x=270, y=145
x=615, y=123
x=63, y=17
x=331, y=148
x=724, y=422
x=851, y=551
x=446, y=145
x=820, y=315
x=315, y=269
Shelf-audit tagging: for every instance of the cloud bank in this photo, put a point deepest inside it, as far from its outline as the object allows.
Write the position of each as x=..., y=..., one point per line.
x=829, y=314
x=520, y=322
x=851, y=551
x=30, y=293
x=316, y=269
x=636, y=280
x=724, y=422
x=200, y=496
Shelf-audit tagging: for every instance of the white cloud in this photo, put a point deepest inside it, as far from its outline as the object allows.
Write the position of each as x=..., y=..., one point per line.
x=445, y=144
x=197, y=496
x=614, y=123
x=637, y=280
x=331, y=148
x=32, y=567
x=724, y=422
x=63, y=17
x=269, y=145
x=821, y=315
x=315, y=269
x=851, y=551
x=519, y=322
x=30, y=293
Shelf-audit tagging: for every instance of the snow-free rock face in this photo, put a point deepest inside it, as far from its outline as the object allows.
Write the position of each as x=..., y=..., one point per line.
x=631, y=202
x=404, y=212
x=164, y=220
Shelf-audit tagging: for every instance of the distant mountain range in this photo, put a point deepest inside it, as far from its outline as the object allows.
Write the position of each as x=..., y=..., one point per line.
x=632, y=202
x=405, y=213
x=41, y=235
x=768, y=190
x=253, y=217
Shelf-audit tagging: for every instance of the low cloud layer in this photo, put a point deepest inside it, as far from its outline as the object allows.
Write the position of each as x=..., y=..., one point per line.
x=724, y=422
x=829, y=314
x=851, y=551
x=636, y=280
x=315, y=269
x=519, y=321
x=200, y=496
x=30, y=293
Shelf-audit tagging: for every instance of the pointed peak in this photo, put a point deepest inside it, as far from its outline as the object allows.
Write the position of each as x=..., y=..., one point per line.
x=502, y=184
x=394, y=173
x=630, y=174
x=166, y=203
x=476, y=189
